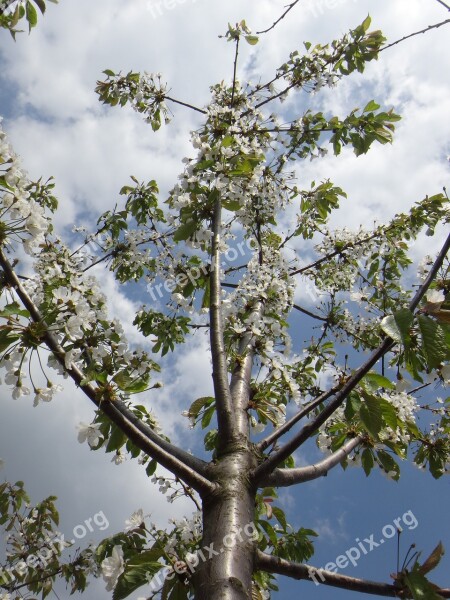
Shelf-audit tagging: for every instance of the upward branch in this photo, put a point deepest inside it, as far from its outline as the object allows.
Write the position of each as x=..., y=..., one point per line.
x=218, y=354
x=236, y=54
x=240, y=380
x=287, y=426
x=285, y=451
x=187, y=467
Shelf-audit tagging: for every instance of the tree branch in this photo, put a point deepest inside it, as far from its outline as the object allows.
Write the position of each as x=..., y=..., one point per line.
x=222, y=391
x=406, y=37
x=275, y=23
x=186, y=104
x=185, y=466
x=277, y=433
x=310, y=314
x=240, y=379
x=273, y=564
x=280, y=455
x=349, y=245
x=236, y=54
x=287, y=477
x=443, y=4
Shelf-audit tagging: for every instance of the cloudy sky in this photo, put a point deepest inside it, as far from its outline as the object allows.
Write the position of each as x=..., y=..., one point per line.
x=57, y=125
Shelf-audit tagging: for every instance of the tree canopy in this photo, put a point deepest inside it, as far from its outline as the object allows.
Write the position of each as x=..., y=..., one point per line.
x=320, y=336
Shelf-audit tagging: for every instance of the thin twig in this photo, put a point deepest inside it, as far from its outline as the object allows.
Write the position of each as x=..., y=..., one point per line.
x=443, y=4
x=200, y=110
x=406, y=37
x=310, y=314
x=236, y=54
x=289, y=8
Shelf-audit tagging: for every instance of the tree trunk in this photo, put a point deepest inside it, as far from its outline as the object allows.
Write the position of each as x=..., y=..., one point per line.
x=226, y=558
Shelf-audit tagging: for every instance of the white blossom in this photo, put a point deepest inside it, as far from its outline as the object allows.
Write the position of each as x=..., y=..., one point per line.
x=135, y=521
x=113, y=567
x=118, y=458
x=89, y=433
x=435, y=297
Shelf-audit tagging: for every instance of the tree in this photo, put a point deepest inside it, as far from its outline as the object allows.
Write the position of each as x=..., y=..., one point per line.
x=235, y=197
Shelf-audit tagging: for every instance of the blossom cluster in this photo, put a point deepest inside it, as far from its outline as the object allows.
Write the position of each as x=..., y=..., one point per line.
x=22, y=215
x=405, y=406
x=178, y=546
x=69, y=300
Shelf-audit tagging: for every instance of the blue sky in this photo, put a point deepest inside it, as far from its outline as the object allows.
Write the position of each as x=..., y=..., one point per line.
x=55, y=122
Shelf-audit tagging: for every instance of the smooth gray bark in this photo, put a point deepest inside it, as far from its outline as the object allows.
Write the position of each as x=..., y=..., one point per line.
x=228, y=543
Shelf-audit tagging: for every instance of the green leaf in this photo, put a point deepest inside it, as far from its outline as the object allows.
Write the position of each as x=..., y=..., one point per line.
x=434, y=341
x=398, y=325
x=371, y=106
x=116, y=440
x=147, y=558
x=252, y=39
x=204, y=165
x=179, y=591
x=280, y=517
x=373, y=381
x=367, y=461
x=14, y=309
x=198, y=404
x=133, y=578
x=420, y=587
x=232, y=205
x=184, y=231
x=151, y=468
x=371, y=415
x=389, y=413
x=6, y=340
x=270, y=531
x=31, y=15
x=41, y=5
x=366, y=23
x=206, y=419
x=211, y=439
x=132, y=385
x=388, y=463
